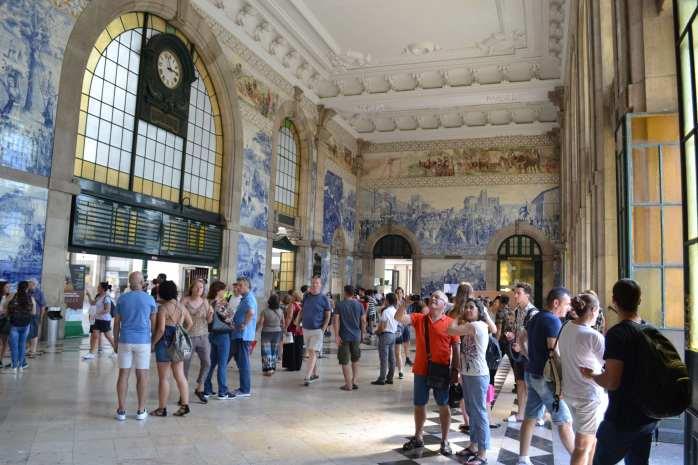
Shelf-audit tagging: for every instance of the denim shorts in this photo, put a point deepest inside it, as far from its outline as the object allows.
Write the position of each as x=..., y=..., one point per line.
x=165, y=341
x=540, y=397
x=421, y=392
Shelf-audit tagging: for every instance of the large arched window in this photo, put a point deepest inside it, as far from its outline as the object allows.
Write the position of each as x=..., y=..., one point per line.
x=116, y=148
x=287, y=170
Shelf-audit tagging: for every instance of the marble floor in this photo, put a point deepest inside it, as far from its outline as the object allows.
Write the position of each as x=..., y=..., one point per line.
x=60, y=411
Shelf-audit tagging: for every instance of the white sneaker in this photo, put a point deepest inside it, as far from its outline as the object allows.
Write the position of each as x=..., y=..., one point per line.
x=524, y=461
x=512, y=419
x=120, y=415
x=88, y=356
x=242, y=394
x=540, y=422
x=142, y=415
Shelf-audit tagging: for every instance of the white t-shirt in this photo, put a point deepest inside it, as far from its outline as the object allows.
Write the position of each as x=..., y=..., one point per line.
x=474, y=350
x=101, y=310
x=388, y=317
x=580, y=346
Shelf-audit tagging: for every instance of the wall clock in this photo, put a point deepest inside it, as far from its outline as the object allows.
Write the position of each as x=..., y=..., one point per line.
x=167, y=71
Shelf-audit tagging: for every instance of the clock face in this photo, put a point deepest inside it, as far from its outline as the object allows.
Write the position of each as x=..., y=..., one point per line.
x=169, y=69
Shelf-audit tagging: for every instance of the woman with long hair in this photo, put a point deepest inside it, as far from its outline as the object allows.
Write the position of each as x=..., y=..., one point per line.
x=272, y=321
x=293, y=352
x=101, y=319
x=219, y=336
x=582, y=346
x=201, y=315
x=20, y=310
x=170, y=314
x=5, y=296
x=475, y=377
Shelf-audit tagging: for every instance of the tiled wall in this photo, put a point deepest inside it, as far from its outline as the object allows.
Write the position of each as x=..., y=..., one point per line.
x=254, y=208
x=22, y=228
x=339, y=209
x=252, y=261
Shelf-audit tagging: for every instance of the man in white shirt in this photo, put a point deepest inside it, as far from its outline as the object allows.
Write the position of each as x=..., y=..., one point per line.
x=387, y=327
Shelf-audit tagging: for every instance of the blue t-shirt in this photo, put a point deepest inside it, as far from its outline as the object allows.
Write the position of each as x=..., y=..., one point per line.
x=134, y=309
x=349, y=312
x=314, y=308
x=540, y=328
x=248, y=302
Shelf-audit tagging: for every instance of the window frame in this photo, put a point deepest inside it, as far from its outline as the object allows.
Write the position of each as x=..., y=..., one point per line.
x=283, y=177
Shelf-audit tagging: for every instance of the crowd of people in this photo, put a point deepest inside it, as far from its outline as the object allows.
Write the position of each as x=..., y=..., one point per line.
x=459, y=341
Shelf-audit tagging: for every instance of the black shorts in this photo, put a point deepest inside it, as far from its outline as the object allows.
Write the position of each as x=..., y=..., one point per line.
x=519, y=369
x=102, y=326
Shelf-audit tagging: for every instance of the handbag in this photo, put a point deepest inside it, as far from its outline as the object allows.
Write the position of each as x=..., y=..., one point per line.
x=455, y=395
x=552, y=372
x=180, y=347
x=218, y=325
x=288, y=337
x=438, y=375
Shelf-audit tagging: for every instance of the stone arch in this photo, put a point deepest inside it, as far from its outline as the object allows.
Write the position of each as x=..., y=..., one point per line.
x=368, y=263
x=549, y=252
x=291, y=109
x=181, y=14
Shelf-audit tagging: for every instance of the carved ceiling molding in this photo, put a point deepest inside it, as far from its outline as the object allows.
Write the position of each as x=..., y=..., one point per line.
x=484, y=143
x=455, y=117
x=556, y=27
x=474, y=180
x=251, y=115
x=243, y=52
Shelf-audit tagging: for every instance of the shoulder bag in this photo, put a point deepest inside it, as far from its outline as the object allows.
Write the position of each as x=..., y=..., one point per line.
x=438, y=375
x=552, y=371
x=180, y=348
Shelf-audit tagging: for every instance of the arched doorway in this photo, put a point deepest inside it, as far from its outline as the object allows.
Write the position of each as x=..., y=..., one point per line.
x=519, y=259
x=392, y=256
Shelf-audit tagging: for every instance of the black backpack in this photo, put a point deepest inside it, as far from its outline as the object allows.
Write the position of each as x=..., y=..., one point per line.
x=493, y=354
x=662, y=387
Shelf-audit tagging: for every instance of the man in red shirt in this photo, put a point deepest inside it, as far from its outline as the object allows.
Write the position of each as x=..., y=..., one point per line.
x=444, y=351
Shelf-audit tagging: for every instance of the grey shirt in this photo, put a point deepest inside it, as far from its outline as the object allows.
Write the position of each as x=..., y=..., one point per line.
x=272, y=320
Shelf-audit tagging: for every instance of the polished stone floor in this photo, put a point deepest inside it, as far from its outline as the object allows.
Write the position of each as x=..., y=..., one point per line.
x=60, y=411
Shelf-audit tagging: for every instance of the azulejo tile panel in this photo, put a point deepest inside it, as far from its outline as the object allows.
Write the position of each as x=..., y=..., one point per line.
x=339, y=209
x=33, y=36
x=254, y=208
x=436, y=273
x=252, y=261
x=22, y=230
x=460, y=220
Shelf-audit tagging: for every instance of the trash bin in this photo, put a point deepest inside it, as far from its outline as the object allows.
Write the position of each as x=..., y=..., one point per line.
x=53, y=320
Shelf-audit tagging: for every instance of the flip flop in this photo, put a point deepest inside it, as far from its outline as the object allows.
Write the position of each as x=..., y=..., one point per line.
x=344, y=388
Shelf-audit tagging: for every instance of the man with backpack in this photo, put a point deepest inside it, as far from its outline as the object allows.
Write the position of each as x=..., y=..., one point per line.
x=525, y=310
x=645, y=379
x=542, y=332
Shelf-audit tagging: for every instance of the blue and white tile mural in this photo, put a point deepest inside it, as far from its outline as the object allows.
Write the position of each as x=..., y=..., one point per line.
x=460, y=220
x=254, y=208
x=252, y=261
x=339, y=209
x=436, y=273
x=33, y=35
x=325, y=274
x=349, y=270
x=22, y=228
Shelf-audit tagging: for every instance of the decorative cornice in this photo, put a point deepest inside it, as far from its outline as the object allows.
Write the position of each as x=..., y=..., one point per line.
x=251, y=115
x=488, y=142
x=475, y=180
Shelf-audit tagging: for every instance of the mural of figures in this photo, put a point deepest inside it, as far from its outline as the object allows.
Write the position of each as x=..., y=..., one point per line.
x=258, y=95
x=33, y=35
x=252, y=261
x=254, y=209
x=460, y=220
x=22, y=227
x=436, y=273
x=463, y=161
x=339, y=209
x=349, y=270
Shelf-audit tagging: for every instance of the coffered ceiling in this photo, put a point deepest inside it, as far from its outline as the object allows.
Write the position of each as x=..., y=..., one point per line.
x=412, y=69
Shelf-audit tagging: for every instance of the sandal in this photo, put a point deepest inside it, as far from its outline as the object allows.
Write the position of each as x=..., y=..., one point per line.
x=475, y=460
x=160, y=412
x=183, y=410
x=464, y=428
x=201, y=396
x=345, y=388
x=467, y=452
x=413, y=443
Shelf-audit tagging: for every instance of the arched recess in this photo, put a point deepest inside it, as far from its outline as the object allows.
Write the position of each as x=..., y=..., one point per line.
x=549, y=252
x=88, y=26
x=368, y=262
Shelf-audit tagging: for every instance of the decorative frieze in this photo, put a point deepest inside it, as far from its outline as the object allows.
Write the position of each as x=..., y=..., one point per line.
x=475, y=180
x=486, y=142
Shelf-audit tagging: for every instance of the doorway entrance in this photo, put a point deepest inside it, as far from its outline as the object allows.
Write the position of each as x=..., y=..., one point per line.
x=519, y=259
x=392, y=256
x=283, y=265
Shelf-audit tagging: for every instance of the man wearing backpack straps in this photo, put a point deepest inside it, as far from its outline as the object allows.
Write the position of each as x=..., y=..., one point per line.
x=626, y=432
